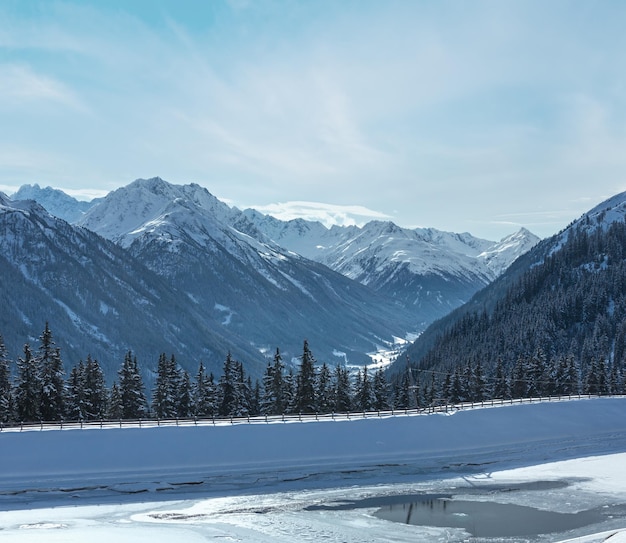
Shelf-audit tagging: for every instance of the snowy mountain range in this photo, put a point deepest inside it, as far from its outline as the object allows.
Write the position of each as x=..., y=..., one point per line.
x=424, y=269
x=257, y=282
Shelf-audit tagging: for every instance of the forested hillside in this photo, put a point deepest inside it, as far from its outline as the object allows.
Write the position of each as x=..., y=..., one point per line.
x=557, y=327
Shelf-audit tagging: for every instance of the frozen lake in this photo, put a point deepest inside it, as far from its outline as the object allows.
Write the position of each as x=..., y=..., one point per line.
x=578, y=477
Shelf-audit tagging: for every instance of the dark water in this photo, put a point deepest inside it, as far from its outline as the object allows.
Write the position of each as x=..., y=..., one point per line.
x=487, y=519
x=479, y=518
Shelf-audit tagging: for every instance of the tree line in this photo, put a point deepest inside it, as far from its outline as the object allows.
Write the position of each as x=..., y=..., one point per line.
x=40, y=390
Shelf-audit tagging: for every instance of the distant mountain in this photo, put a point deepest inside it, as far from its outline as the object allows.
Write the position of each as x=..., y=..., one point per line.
x=241, y=282
x=427, y=271
x=564, y=299
x=55, y=202
x=98, y=299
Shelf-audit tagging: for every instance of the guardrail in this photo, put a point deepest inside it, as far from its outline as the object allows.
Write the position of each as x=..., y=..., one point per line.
x=273, y=419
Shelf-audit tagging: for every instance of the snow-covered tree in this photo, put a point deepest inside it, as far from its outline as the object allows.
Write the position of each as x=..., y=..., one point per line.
x=305, y=384
x=324, y=390
x=185, y=399
x=204, y=394
x=273, y=397
x=51, y=378
x=115, y=405
x=6, y=394
x=75, y=404
x=165, y=397
x=380, y=391
x=342, y=389
x=95, y=392
x=27, y=388
x=131, y=389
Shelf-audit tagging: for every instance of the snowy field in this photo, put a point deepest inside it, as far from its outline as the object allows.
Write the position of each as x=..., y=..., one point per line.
x=320, y=481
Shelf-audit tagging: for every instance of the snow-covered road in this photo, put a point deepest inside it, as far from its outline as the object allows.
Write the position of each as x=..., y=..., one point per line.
x=485, y=455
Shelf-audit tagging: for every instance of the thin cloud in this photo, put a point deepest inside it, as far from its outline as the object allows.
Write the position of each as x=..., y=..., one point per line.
x=21, y=85
x=327, y=214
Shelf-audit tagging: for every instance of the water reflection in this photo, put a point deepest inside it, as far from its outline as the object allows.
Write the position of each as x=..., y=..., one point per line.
x=486, y=519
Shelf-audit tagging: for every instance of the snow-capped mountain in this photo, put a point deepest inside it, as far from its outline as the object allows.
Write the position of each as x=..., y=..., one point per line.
x=240, y=281
x=426, y=269
x=55, y=202
x=98, y=299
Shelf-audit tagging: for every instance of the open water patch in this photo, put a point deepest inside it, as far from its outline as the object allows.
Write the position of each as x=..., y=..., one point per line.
x=487, y=519
x=480, y=518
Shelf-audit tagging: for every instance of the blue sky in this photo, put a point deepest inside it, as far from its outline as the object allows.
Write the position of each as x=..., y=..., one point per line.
x=479, y=116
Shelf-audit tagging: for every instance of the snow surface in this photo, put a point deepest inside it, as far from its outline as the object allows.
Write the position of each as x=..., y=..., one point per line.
x=254, y=482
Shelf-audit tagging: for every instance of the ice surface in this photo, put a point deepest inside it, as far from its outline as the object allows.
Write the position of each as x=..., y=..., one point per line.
x=254, y=483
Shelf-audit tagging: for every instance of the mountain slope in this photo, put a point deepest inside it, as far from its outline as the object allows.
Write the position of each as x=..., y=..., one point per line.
x=239, y=281
x=96, y=297
x=425, y=270
x=565, y=298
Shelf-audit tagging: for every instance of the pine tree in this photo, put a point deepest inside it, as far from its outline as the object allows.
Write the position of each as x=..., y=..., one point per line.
x=185, y=398
x=28, y=388
x=76, y=396
x=228, y=388
x=324, y=392
x=343, y=391
x=116, y=406
x=273, y=398
x=51, y=378
x=165, y=397
x=134, y=405
x=204, y=394
x=305, y=384
x=6, y=394
x=95, y=392
x=501, y=388
x=289, y=382
x=364, y=396
x=380, y=391
x=402, y=395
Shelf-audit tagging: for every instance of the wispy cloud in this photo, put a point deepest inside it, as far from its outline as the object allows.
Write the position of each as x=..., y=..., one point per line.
x=327, y=214
x=21, y=85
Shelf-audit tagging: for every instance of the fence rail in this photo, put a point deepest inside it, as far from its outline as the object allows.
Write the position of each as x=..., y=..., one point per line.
x=273, y=419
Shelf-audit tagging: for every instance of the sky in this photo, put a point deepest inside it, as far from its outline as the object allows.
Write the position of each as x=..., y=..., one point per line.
x=480, y=117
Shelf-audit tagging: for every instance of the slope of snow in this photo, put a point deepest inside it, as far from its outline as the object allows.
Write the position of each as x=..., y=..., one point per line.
x=257, y=483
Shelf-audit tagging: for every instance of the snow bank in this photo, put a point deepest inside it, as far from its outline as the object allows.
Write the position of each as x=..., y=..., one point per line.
x=123, y=453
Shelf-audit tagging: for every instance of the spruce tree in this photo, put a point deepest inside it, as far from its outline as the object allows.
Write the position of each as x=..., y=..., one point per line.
x=6, y=394
x=204, y=394
x=185, y=398
x=76, y=396
x=95, y=392
x=27, y=388
x=381, y=391
x=305, y=384
x=134, y=405
x=165, y=398
x=273, y=398
x=343, y=390
x=115, y=404
x=51, y=378
x=324, y=392
x=364, y=395
x=228, y=388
